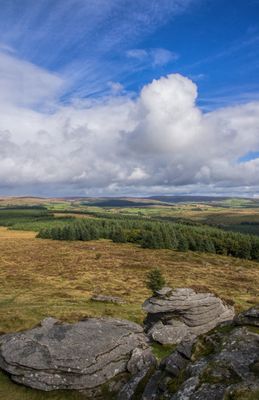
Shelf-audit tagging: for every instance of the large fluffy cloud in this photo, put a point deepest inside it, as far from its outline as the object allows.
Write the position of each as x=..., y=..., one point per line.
x=157, y=142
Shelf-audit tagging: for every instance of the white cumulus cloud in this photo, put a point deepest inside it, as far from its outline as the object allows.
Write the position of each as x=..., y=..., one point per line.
x=159, y=141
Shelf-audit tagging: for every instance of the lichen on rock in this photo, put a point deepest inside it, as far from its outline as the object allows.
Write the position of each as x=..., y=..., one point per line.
x=81, y=356
x=181, y=314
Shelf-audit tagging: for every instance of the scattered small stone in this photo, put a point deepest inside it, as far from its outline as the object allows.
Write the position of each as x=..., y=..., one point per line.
x=107, y=299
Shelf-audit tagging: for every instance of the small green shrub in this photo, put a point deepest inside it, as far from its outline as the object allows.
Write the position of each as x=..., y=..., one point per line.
x=155, y=280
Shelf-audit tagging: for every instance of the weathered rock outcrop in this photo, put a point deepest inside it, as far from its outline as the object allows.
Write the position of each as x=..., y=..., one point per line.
x=181, y=314
x=82, y=356
x=110, y=358
x=220, y=365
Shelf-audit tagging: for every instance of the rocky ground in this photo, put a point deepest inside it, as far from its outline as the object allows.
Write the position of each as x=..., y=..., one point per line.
x=216, y=358
x=220, y=365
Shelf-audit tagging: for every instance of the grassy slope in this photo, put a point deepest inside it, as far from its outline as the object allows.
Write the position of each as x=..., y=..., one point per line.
x=44, y=277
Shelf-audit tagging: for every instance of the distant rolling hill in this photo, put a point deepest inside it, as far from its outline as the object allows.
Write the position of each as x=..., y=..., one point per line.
x=188, y=199
x=156, y=200
x=118, y=202
x=127, y=201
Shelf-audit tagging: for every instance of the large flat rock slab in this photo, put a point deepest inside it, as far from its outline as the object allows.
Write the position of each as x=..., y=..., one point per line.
x=84, y=355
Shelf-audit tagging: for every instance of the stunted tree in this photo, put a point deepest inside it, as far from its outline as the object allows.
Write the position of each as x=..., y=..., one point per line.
x=155, y=280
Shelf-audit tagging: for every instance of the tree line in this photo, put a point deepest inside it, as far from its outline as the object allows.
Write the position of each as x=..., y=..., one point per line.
x=158, y=235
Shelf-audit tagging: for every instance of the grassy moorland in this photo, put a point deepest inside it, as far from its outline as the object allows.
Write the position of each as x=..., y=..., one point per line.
x=42, y=277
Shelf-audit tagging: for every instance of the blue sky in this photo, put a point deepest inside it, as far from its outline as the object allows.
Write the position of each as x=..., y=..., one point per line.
x=216, y=43
x=66, y=65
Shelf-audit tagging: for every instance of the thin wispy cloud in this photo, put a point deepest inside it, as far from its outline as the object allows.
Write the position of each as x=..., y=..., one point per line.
x=155, y=57
x=77, y=38
x=228, y=51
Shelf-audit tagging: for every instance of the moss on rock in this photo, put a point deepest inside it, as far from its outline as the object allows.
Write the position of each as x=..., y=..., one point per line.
x=218, y=372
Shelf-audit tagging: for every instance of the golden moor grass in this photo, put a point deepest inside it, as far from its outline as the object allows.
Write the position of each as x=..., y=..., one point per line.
x=39, y=278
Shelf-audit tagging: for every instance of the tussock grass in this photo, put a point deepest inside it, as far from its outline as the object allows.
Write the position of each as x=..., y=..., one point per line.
x=39, y=278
